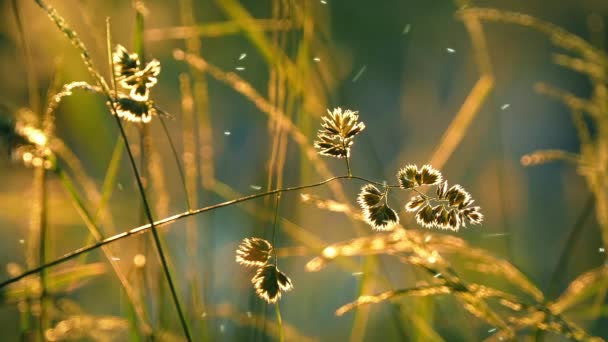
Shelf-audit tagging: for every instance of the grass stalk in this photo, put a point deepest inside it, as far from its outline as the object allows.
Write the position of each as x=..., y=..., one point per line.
x=171, y=219
x=178, y=163
x=41, y=181
x=88, y=219
x=276, y=262
x=279, y=321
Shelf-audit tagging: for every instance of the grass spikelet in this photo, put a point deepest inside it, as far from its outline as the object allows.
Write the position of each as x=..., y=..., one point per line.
x=572, y=101
x=421, y=291
x=253, y=252
x=415, y=203
x=541, y=157
x=76, y=41
x=581, y=288
x=268, y=282
x=558, y=36
x=376, y=211
x=410, y=177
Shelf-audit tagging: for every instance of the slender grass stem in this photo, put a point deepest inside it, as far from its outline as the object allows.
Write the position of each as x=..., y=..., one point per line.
x=279, y=321
x=42, y=220
x=274, y=227
x=134, y=303
x=155, y=234
x=347, y=158
x=169, y=220
x=276, y=262
x=30, y=73
x=142, y=191
x=180, y=168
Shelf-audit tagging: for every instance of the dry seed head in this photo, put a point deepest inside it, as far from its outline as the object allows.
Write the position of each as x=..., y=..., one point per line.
x=410, y=177
x=376, y=212
x=253, y=252
x=442, y=189
x=425, y=217
x=369, y=196
x=441, y=217
x=407, y=176
x=342, y=123
x=472, y=214
x=331, y=146
x=125, y=63
x=141, y=82
x=336, y=136
x=429, y=175
x=454, y=220
x=415, y=203
x=381, y=218
x=128, y=71
x=268, y=282
x=457, y=195
x=133, y=110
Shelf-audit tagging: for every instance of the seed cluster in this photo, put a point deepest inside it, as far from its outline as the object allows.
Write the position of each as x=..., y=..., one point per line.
x=268, y=280
x=376, y=210
x=131, y=76
x=337, y=134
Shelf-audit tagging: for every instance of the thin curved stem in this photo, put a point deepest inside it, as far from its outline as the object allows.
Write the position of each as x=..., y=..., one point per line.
x=156, y=236
x=168, y=220
x=279, y=321
x=42, y=250
x=180, y=168
x=276, y=262
x=347, y=158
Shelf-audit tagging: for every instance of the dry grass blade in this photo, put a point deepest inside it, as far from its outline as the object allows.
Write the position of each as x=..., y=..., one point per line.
x=461, y=122
x=62, y=280
x=81, y=326
x=584, y=286
x=393, y=242
x=558, y=36
x=218, y=29
x=547, y=156
x=484, y=262
x=591, y=69
x=88, y=185
x=419, y=291
x=474, y=304
x=572, y=101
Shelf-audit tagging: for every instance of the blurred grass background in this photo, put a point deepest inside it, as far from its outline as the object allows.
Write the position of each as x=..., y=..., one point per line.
x=406, y=66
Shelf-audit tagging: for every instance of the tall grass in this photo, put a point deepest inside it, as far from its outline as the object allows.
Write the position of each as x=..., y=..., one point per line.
x=488, y=287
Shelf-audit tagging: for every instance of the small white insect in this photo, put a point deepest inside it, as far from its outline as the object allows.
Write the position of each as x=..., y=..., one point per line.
x=407, y=29
x=505, y=106
x=242, y=56
x=255, y=187
x=316, y=59
x=227, y=133
x=359, y=73
x=450, y=50
x=324, y=2
x=601, y=249
x=240, y=68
